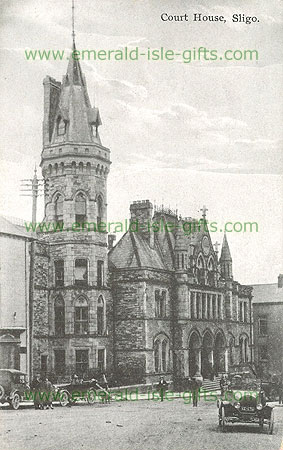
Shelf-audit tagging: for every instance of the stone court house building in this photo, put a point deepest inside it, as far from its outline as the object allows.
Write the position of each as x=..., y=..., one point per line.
x=161, y=302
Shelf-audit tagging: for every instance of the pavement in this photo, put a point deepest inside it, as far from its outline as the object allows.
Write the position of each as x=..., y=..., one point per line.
x=131, y=425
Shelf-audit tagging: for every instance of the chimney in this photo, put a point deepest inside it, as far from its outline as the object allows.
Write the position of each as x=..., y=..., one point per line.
x=141, y=218
x=111, y=239
x=52, y=89
x=280, y=280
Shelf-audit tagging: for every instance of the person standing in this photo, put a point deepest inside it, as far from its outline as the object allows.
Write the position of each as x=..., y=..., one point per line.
x=195, y=391
x=162, y=387
x=35, y=386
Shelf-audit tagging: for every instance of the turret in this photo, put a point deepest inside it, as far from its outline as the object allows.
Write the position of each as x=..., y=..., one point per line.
x=226, y=260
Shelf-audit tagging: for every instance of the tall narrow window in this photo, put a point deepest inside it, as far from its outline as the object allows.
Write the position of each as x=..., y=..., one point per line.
x=246, y=350
x=101, y=359
x=100, y=273
x=59, y=272
x=80, y=208
x=241, y=350
x=81, y=316
x=81, y=362
x=61, y=126
x=157, y=303
x=163, y=304
x=59, y=362
x=231, y=346
x=100, y=316
x=81, y=275
x=59, y=313
x=161, y=354
x=156, y=356
x=99, y=209
x=164, y=356
x=58, y=209
x=245, y=312
x=93, y=127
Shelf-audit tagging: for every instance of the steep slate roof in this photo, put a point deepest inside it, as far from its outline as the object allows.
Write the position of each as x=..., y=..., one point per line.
x=267, y=293
x=74, y=107
x=133, y=251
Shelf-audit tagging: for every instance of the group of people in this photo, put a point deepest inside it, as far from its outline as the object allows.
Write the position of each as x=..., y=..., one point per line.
x=42, y=390
x=194, y=385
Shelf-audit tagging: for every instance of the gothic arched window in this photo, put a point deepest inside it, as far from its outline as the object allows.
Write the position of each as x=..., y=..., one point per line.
x=156, y=355
x=80, y=208
x=210, y=275
x=59, y=316
x=200, y=269
x=61, y=126
x=100, y=316
x=161, y=354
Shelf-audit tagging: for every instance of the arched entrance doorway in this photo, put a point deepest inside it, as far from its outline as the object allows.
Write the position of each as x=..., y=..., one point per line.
x=207, y=355
x=194, y=354
x=219, y=353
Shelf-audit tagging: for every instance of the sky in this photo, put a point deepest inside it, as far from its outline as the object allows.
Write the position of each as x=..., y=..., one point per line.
x=182, y=135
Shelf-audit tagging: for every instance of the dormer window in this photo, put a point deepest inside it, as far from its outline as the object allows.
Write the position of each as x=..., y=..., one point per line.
x=61, y=126
x=93, y=127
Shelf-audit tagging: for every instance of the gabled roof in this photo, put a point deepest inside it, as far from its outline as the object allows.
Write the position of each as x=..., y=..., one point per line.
x=8, y=227
x=133, y=251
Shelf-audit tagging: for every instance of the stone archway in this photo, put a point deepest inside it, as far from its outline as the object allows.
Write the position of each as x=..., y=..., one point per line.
x=219, y=353
x=207, y=357
x=194, y=354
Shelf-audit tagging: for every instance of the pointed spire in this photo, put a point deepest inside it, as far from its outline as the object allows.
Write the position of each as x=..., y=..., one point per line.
x=73, y=24
x=225, y=251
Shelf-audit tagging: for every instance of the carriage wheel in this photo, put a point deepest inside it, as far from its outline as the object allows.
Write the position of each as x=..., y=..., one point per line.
x=64, y=398
x=91, y=397
x=15, y=401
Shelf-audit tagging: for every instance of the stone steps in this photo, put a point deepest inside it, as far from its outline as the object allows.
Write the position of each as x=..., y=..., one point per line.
x=209, y=385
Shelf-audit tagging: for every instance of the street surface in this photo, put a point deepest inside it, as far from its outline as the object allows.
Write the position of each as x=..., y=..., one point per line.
x=131, y=425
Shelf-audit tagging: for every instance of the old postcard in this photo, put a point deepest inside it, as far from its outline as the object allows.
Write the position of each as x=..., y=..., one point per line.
x=141, y=277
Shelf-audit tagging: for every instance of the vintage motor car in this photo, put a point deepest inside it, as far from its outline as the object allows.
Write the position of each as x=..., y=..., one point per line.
x=70, y=393
x=244, y=402
x=13, y=385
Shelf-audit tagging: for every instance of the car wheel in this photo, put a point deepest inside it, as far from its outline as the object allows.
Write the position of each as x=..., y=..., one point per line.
x=91, y=396
x=15, y=401
x=64, y=398
x=271, y=423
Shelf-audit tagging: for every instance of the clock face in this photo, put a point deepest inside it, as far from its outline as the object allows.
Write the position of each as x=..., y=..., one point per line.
x=205, y=245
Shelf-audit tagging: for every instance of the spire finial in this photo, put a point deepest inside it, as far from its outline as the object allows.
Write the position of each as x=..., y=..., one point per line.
x=73, y=21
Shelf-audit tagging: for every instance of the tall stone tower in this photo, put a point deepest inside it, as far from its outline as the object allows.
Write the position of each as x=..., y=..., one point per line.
x=71, y=293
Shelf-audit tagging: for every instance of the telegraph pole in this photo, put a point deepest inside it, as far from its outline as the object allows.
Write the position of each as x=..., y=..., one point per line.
x=31, y=188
